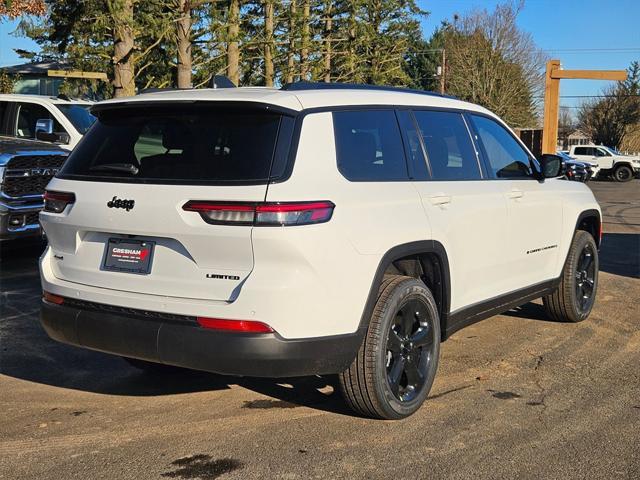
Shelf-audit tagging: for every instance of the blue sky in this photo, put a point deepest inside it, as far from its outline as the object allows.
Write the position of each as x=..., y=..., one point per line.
x=599, y=34
x=610, y=29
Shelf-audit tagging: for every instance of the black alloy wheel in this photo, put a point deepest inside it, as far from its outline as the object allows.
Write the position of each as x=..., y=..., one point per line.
x=623, y=174
x=410, y=349
x=394, y=368
x=585, y=278
x=574, y=297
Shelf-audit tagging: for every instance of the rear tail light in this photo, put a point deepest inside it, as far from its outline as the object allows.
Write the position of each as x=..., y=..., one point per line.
x=262, y=214
x=56, y=202
x=242, y=326
x=51, y=298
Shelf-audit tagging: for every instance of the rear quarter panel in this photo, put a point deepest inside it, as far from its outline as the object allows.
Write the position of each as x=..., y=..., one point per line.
x=327, y=270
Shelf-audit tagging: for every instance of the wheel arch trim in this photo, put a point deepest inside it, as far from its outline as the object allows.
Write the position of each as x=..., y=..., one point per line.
x=404, y=250
x=584, y=215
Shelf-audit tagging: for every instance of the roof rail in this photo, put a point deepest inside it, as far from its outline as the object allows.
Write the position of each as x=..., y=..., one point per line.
x=305, y=85
x=217, y=81
x=161, y=89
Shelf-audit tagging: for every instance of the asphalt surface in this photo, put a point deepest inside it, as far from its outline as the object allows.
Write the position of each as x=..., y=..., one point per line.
x=515, y=396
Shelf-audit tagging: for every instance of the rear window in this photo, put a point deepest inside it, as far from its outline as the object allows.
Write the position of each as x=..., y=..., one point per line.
x=193, y=145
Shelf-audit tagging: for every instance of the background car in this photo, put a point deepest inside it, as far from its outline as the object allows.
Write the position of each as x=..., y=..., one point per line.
x=57, y=120
x=577, y=171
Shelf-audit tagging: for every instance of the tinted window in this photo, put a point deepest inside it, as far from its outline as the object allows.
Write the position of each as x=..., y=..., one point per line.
x=601, y=152
x=583, y=151
x=506, y=157
x=369, y=146
x=28, y=115
x=3, y=110
x=449, y=149
x=188, y=145
x=78, y=115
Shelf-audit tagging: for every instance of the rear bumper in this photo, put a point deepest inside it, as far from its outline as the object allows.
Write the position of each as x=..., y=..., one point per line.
x=184, y=343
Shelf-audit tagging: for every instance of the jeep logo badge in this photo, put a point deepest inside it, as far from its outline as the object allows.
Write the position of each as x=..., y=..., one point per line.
x=116, y=202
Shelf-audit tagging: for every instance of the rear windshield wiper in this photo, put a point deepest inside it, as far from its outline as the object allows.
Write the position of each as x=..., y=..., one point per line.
x=129, y=168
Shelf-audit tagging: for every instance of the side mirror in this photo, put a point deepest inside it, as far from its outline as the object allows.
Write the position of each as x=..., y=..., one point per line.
x=44, y=125
x=552, y=166
x=45, y=133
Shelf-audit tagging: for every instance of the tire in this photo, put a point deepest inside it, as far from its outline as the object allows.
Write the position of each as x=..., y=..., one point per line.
x=623, y=173
x=402, y=344
x=573, y=299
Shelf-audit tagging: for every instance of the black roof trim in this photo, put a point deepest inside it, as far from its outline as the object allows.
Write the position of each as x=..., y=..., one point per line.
x=304, y=85
x=100, y=107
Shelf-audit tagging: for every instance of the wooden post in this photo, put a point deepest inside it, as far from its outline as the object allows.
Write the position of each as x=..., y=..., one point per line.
x=551, y=109
x=552, y=97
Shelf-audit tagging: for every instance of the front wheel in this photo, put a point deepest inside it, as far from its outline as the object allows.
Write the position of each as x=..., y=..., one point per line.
x=573, y=299
x=394, y=369
x=623, y=173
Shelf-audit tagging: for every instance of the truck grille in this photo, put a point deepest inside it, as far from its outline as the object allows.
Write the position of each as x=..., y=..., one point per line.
x=30, y=174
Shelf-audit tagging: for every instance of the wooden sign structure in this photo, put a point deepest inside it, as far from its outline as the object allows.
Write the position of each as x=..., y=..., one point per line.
x=77, y=74
x=552, y=97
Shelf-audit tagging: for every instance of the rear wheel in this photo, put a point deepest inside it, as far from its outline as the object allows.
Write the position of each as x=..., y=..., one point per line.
x=397, y=361
x=623, y=173
x=573, y=300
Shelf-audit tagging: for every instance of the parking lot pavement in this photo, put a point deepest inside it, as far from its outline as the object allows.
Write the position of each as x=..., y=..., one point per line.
x=516, y=396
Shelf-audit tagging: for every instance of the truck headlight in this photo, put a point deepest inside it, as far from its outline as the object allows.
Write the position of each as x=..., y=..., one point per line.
x=1, y=174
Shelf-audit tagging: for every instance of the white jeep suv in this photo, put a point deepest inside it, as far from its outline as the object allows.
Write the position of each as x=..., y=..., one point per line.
x=315, y=229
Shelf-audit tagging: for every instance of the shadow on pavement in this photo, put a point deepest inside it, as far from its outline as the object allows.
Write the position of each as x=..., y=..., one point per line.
x=27, y=353
x=620, y=254
x=529, y=311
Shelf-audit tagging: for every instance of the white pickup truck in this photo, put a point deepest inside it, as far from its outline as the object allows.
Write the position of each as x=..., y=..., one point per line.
x=609, y=162
x=55, y=120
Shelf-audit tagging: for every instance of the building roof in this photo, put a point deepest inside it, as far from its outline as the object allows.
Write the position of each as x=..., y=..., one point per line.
x=35, y=68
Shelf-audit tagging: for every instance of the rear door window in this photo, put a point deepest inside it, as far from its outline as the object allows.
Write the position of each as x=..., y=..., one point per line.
x=369, y=146
x=196, y=145
x=448, y=146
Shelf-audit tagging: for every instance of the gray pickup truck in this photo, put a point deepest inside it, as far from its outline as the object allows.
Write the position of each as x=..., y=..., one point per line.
x=26, y=166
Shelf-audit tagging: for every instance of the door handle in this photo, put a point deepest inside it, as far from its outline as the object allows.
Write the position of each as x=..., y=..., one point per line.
x=515, y=194
x=440, y=199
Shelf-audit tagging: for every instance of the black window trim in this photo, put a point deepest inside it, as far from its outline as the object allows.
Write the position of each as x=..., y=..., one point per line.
x=407, y=152
x=299, y=116
x=533, y=163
